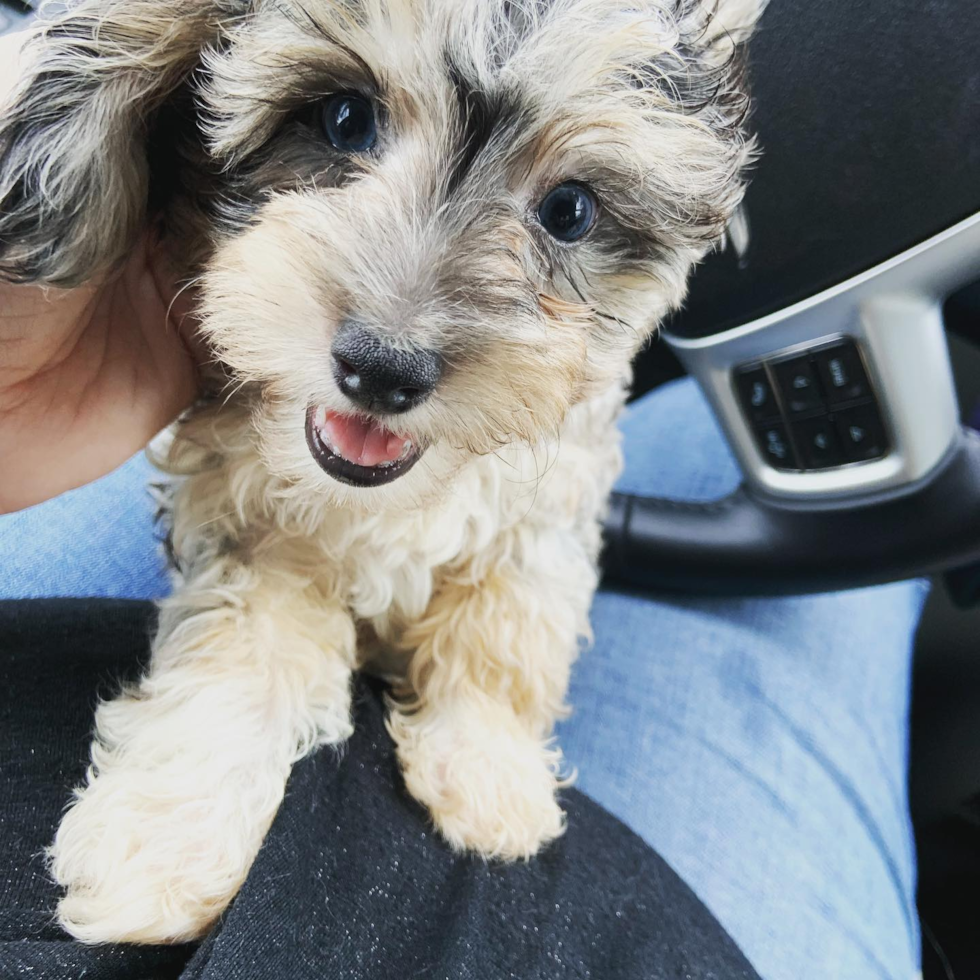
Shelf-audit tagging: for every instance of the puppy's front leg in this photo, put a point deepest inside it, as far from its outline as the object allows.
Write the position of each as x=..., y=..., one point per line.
x=250, y=670
x=489, y=675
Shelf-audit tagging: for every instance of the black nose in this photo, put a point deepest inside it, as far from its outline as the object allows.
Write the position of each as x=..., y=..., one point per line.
x=379, y=377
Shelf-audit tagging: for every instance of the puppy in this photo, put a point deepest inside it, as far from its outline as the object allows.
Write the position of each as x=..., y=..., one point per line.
x=428, y=237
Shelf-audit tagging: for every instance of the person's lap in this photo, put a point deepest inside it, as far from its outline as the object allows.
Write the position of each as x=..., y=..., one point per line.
x=759, y=746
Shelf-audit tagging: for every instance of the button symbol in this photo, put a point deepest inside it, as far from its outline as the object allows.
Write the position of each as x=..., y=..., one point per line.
x=801, y=390
x=776, y=445
x=857, y=434
x=755, y=394
x=843, y=377
x=818, y=443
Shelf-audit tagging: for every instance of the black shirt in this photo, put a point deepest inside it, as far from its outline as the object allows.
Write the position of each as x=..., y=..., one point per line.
x=352, y=883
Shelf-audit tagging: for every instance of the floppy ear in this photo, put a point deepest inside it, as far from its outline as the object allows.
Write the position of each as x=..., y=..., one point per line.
x=73, y=156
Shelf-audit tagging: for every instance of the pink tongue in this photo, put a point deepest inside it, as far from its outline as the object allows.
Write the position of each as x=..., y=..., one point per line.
x=362, y=441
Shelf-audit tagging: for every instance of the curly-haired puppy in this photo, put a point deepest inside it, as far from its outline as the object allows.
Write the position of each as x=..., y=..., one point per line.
x=428, y=237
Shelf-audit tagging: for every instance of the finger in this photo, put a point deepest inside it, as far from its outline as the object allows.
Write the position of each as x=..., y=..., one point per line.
x=116, y=376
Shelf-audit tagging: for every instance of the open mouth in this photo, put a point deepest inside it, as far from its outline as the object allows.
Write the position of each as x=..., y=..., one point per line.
x=358, y=451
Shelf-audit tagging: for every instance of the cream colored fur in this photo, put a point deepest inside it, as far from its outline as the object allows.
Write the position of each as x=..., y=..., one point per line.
x=468, y=581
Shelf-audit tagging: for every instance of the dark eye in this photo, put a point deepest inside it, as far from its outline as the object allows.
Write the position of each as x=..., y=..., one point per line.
x=350, y=123
x=568, y=212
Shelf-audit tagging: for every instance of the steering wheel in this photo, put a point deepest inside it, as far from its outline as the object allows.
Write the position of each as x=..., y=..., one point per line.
x=818, y=335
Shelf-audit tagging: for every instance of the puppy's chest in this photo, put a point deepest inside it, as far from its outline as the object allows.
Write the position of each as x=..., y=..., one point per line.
x=387, y=566
x=388, y=583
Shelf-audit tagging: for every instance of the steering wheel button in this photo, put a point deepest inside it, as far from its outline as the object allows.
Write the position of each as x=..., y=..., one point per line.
x=799, y=386
x=861, y=433
x=756, y=395
x=842, y=373
x=818, y=443
x=775, y=446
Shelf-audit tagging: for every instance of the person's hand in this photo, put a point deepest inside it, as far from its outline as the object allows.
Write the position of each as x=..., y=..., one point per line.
x=87, y=376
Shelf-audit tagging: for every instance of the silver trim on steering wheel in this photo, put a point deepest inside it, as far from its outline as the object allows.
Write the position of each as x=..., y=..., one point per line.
x=894, y=312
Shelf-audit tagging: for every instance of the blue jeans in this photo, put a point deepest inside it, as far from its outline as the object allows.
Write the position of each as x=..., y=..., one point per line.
x=760, y=746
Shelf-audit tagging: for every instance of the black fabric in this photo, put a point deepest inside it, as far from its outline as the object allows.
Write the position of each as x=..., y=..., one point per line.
x=351, y=884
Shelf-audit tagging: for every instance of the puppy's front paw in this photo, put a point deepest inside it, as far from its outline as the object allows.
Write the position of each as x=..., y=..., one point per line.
x=489, y=786
x=156, y=857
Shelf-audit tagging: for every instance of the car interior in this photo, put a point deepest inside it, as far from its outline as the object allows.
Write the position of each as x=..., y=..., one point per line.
x=837, y=337
x=859, y=227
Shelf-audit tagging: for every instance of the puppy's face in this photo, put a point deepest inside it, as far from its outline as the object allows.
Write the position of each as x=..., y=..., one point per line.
x=447, y=221
x=440, y=224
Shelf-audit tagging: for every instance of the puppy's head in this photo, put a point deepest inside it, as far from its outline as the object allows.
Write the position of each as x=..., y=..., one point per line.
x=426, y=228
